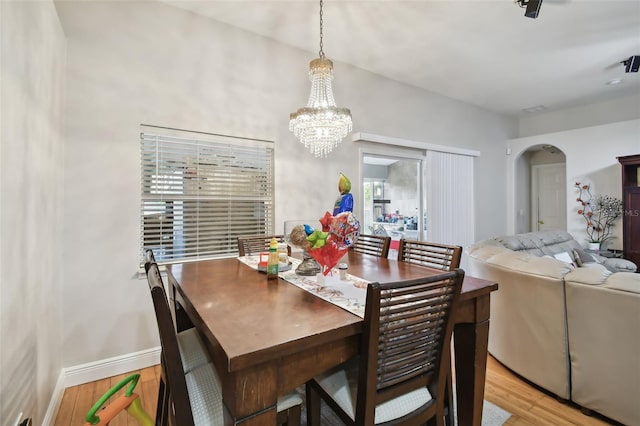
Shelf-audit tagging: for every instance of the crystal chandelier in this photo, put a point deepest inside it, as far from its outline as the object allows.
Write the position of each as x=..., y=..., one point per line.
x=320, y=125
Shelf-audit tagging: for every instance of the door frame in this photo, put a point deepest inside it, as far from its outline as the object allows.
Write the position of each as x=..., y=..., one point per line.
x=399, y=154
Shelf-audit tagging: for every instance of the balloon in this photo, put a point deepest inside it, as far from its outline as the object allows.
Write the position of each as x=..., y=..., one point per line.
x=325, y=221
x=345, y=227
x=328, y=255
x=344, y=203
x=342, y=231
x=317, y=239
x=298, y=237
x=339, y=231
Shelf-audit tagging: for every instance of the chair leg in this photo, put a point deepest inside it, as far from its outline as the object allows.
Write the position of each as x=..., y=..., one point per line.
x=448, y=402
x=162, y=409
x=313, y=405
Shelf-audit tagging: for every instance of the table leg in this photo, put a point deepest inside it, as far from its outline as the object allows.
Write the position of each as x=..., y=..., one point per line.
x=471, y=341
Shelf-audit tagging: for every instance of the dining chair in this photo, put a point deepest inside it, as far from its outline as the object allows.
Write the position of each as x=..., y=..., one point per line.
x=377, y=245
x=149, y=258
x=180, y=317
x=254, y=244
x=433, y=255
x=437, y=256
x=192, y=395
x=400, y=376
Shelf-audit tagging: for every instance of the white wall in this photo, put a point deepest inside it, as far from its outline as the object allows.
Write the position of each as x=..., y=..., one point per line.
x=522, y=181
x=31, y=84
x=131, y=63
x=402, y=185
x=590, y=157
x=594, y=114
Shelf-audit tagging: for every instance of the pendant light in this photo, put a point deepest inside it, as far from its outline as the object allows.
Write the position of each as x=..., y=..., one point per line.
x=320, y=126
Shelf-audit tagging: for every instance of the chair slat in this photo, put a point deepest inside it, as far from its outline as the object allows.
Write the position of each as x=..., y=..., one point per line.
x=376, y=245
x=249, y=245
x=433, y=255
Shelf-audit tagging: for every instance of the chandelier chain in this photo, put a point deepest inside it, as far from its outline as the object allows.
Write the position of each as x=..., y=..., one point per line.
x=321, y=52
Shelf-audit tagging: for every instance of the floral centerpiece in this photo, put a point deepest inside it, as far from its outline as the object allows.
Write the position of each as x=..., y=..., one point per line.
x=599, y=212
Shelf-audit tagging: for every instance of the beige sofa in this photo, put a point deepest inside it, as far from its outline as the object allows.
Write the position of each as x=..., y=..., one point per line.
x=574, y=331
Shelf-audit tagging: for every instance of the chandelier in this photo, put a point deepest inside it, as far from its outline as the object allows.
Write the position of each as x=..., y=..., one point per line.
x=320, y=126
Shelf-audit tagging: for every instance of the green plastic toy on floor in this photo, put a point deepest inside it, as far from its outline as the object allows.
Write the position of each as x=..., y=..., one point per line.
x=130, y=401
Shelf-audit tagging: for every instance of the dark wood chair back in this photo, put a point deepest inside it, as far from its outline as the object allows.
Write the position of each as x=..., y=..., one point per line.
x=377, y=245
x=175, y=401
x=433, y=255
x=254, y=244
x=149, y=258
x=406, y=343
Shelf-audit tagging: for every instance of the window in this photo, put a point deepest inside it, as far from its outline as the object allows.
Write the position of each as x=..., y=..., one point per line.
x=200, y=191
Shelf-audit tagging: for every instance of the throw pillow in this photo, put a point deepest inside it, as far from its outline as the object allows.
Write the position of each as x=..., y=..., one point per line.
x=565, y=257
x=583, y=256
x=576, y=258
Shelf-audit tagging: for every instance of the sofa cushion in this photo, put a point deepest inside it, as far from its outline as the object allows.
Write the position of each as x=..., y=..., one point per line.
x=540, y=243
x=624, y=281
x=619, y=265
x=582, y=257
x=594, y=274
x=566, y=258
x=553, y=242
x=524, y=262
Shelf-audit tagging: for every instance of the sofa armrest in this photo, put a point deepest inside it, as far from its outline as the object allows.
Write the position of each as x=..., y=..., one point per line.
x=604, y=343
x=528, y=318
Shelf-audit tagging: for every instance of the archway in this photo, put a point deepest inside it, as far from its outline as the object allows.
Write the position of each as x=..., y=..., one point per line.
x=540, y=189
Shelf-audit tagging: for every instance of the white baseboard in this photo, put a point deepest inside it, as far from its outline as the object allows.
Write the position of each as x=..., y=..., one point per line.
x=54, y=403
x=97, y=370
x=109, y=367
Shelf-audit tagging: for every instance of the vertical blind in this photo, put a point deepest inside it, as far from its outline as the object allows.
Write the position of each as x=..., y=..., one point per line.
x=450, y=198
x=199, y=192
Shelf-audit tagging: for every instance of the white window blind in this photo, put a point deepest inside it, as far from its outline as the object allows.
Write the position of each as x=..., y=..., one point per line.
x=201, y=191
x=450, y=198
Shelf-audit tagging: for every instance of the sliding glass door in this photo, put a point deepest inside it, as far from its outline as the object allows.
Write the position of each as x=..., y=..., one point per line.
x=392, y=197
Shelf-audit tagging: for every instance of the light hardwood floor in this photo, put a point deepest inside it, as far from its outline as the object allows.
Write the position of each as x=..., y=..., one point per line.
x=528, y=405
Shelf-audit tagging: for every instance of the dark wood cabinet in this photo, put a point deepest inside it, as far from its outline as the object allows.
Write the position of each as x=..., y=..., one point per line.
x=631, y=205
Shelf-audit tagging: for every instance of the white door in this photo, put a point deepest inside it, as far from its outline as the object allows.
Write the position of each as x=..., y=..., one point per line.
x=549, y=197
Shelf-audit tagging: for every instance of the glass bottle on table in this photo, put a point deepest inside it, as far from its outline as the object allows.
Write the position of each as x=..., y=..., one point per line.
x=272, y=264
x=283, y=257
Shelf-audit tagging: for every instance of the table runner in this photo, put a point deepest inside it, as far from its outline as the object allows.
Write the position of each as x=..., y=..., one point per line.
x=344, y=294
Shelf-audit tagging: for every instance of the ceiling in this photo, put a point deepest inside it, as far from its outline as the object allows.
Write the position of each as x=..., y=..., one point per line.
x=483, y=52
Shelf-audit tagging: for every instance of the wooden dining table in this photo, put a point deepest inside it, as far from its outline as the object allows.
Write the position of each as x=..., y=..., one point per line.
x=267, y=337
